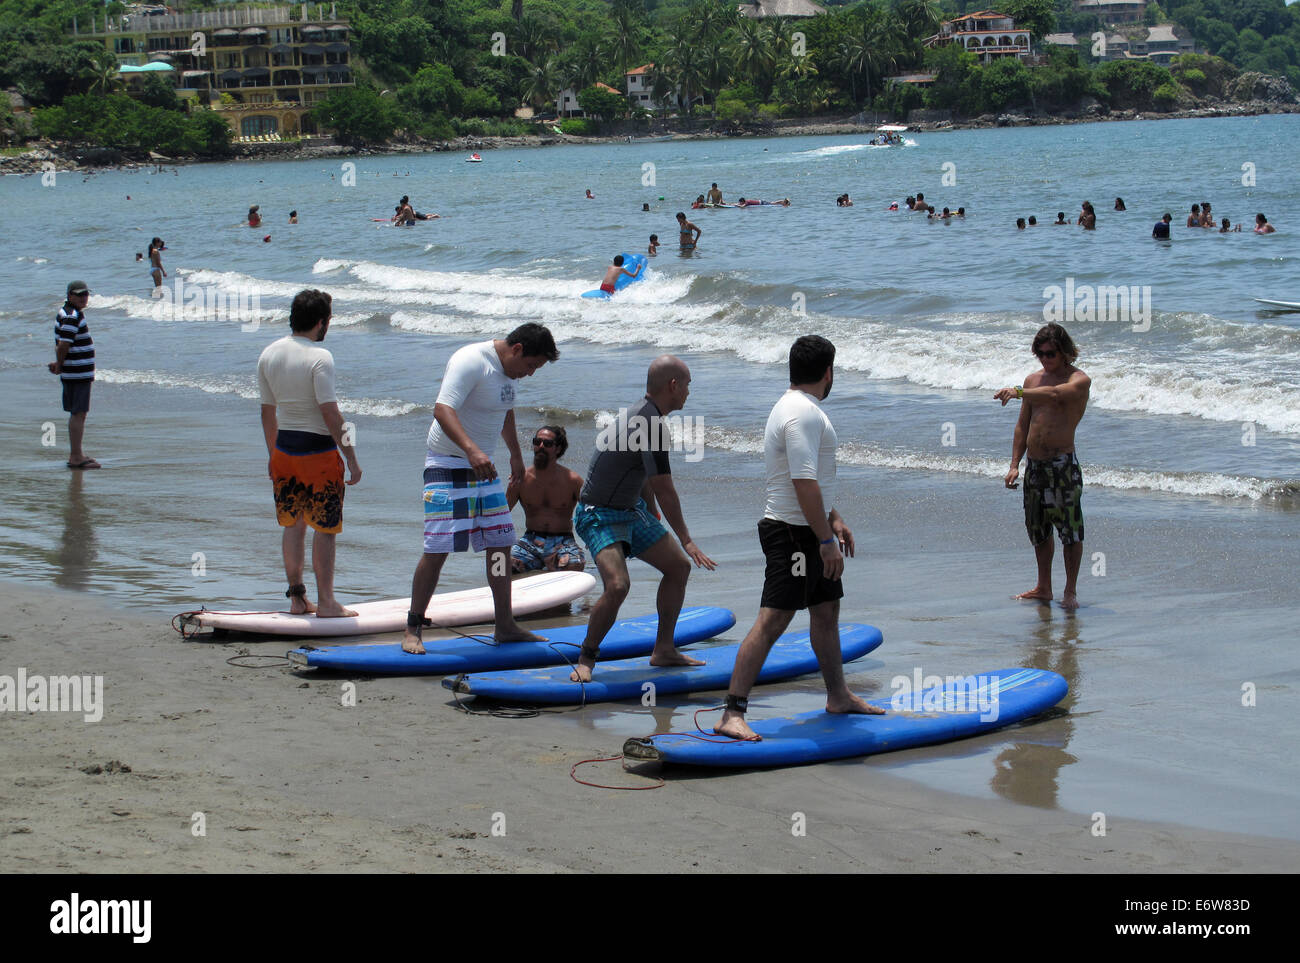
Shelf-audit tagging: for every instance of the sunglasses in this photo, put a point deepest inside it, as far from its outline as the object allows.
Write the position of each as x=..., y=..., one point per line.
x=544, y=442
x=1045, y=354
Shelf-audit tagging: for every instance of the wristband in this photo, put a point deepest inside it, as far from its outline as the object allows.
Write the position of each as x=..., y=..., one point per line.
x=1020, y=392
x=826, y=541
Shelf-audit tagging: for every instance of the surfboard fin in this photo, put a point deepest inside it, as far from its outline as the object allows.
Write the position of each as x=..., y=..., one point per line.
x=642, y=750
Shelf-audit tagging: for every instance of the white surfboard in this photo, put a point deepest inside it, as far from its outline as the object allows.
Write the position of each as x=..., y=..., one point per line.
x=527, y=595
x=1289, y=305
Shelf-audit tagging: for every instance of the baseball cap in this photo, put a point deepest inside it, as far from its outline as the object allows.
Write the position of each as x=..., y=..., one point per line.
x=78, y=287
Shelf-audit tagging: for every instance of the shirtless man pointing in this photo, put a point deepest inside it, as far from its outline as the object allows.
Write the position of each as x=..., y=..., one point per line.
x=1054, y=400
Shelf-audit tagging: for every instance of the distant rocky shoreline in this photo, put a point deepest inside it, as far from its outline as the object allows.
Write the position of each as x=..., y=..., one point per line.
x=45, y=156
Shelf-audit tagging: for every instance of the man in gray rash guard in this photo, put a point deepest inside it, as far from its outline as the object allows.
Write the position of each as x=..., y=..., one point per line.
x=615, y=515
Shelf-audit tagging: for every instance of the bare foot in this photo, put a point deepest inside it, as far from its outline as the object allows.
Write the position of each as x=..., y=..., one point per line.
x=1069, y=601
x=582, y=671
x=334, y=611
x=852, y=704
x=517, y=634
x=1037, y=594
x=300, y=606
x=733, y=724
x=672, y=657
x=411, y=643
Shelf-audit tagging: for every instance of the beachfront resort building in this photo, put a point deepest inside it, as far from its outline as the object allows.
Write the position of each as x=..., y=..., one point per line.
x=761, y=9
x=1113, y=11
x=987, y=34
x=261, y=68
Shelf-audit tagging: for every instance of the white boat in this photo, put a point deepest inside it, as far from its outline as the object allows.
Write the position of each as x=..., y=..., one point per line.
x=889, y=135
x=473, y=159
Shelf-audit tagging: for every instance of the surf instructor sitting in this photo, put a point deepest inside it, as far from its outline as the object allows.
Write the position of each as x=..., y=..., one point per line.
x=612, y=274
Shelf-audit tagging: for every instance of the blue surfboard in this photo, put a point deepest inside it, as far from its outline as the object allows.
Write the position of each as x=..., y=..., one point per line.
x=975, y=705
x=628, y=637
x=791, y=656
x=630, y=261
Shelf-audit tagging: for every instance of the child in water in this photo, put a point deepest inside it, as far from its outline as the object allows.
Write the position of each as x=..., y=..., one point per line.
x=654, y=244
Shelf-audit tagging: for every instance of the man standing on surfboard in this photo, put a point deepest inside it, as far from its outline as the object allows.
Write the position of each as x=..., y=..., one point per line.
x=465, y=505
x=304, y=435
x=1053, y=401
x=615, y=515
x=803, y=537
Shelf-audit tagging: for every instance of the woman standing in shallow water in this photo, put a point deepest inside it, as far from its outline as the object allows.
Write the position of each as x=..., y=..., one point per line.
x=254, y=218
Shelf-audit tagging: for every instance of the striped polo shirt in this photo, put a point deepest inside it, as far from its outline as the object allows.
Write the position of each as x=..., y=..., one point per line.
x=70, y=326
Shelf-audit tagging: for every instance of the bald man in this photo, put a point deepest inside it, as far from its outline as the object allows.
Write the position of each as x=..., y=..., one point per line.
x=616, y=515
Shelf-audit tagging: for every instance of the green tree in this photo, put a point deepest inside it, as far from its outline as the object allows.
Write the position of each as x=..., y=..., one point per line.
x=434, y=90
x=602, y=103
x=357, y=115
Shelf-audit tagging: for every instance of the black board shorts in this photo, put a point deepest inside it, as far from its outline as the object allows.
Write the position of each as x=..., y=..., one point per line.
x=76, y=395
x=793, y=578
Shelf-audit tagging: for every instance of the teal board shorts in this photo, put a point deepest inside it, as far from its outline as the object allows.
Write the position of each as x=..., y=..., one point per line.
x=635, y=528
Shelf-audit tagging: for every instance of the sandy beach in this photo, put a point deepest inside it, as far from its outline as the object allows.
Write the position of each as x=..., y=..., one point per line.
x=287, y=779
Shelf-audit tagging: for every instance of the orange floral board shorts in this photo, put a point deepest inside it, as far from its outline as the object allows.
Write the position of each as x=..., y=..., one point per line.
x=309, y=486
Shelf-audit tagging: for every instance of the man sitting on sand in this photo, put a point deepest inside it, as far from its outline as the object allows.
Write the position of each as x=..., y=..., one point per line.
x=615, y=516
x=1053, y=401
x=548, y=493
x=802, y=536
x=613, y=271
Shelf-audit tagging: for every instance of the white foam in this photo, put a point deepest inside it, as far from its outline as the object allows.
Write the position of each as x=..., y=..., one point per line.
x=1177, y=483
x=247, y=389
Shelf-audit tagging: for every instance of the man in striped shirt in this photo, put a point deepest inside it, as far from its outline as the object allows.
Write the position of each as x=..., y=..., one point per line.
x=74, y=363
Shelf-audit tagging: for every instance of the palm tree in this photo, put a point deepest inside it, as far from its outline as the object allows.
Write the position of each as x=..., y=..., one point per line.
x=623, y=43
x=685, y=66
x=715, y=67
x=544, y=82
x=753, y=55
x=920, y=18
x=103, y=74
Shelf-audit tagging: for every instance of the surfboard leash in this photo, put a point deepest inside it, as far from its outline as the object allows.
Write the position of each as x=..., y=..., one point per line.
x=596, y=785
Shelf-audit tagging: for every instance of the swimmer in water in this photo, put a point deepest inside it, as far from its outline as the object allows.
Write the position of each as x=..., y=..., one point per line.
x=715, y=195
x=698, y=203
x=156, y=271
x=612, y=274
x=590, y=196
x=293, y=217
x=254, y=218
x=1060, y=219
x=690, y=234
x=654, y=244
x=1227, y=227
x=1262, y=226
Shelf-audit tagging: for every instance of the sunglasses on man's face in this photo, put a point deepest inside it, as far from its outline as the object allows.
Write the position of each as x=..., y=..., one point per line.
x=544, y=442
x=1045, y=354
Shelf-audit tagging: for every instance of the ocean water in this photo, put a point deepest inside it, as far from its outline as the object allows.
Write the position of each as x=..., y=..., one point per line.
x=1191, y=443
